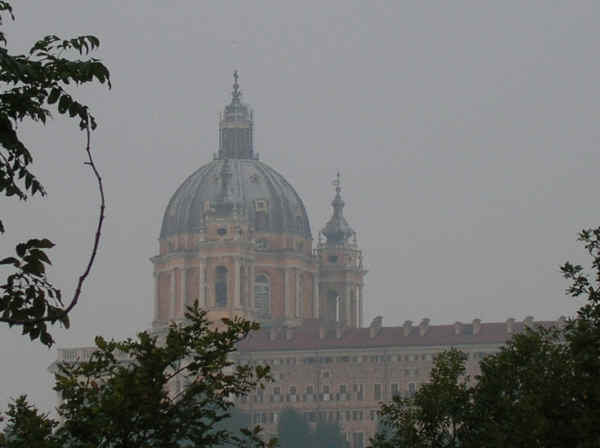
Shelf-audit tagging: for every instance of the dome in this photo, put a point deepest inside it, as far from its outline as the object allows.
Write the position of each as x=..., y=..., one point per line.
x=246, y=187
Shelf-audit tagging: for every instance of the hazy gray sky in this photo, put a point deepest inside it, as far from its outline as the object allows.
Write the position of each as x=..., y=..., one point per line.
x=466, y=134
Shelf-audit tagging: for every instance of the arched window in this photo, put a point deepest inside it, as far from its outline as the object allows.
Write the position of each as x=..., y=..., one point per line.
x=221, y=287
x=262, y=295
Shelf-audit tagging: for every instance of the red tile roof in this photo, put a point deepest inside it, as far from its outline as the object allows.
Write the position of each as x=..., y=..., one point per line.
x=307, y=337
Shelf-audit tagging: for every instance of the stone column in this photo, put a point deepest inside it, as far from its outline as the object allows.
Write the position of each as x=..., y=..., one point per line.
x=361, y=309
x=298, y=294
x=156, y=276
x=316, y=298
x=348, y=305
x=183, y=300
x=201, y=288
x=288, y=310
x=172, y=297
x=236, y=283
x=252, y=298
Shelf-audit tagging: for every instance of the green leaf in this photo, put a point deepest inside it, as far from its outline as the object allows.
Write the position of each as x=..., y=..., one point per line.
x=64, y=103
x=10, y=260
x=54, y=95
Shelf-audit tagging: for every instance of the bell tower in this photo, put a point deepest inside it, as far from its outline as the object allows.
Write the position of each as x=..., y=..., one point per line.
x=341, y=270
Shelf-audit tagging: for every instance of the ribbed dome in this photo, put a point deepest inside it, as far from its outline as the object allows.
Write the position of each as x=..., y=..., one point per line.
x=237, y=185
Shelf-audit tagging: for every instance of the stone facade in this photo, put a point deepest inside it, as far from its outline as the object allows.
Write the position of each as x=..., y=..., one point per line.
x=343, y=374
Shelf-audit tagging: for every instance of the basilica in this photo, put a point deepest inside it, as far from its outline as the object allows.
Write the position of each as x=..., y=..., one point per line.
x=236, y=238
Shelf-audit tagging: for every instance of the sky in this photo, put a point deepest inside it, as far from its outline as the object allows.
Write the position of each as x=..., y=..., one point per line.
x=465, y=132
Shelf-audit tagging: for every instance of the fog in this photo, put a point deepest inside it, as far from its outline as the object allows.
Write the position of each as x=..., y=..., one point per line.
x=465, y=132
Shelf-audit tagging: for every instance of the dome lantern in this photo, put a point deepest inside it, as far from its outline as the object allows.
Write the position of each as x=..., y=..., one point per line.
x=236, y=127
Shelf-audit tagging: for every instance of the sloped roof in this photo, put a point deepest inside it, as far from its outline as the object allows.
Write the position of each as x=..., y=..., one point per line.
x=307, y=337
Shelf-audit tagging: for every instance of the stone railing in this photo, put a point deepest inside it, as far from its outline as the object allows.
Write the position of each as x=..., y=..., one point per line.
x=82, y=354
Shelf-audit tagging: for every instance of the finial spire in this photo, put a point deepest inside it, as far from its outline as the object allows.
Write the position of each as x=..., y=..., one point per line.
x=338, y=183
x=236, y=87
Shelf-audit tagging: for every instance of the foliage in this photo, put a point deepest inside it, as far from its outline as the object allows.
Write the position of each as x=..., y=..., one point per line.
x=293, y=430
x=328, y=435
x=542, y=389
x=146, y=393
x=237, y=421
x=433, y=416
x=528, y=388
x=27, y=427
x=32, y=86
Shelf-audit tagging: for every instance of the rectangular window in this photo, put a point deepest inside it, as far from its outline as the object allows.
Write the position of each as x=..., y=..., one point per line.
x=412, y=389
x=357, y=416
x=358, y=389
x=377, y=393
x=357, y=440
x=261, y=205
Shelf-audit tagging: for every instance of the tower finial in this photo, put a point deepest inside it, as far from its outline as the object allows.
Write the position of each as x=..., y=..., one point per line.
x=338, y=183
x=236, y=87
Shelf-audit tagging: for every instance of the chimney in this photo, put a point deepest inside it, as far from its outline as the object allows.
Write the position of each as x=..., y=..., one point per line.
x=424, y=326
x=272, y=333
x=528, y=321
x=510, y=325
x=458, y=328
x=322, y=332
x=407, y=327
x=289, y=333
x=476, y=326
x=339, y=331
x=375, y=327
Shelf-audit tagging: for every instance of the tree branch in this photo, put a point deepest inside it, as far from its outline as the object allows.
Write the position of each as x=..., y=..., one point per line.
x=96, y=242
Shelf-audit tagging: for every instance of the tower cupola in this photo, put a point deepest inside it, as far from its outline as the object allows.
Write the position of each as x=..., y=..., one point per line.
x=236, y=127
x=337, y=231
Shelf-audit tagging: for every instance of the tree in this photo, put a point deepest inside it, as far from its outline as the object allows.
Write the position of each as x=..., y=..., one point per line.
x=328, y=435
x=293, y=430
x=433, y=417
x=542, y=389
x=237, y=421
x=27, y=427
x=150, y=393
x=33, y=85
x=524, y=395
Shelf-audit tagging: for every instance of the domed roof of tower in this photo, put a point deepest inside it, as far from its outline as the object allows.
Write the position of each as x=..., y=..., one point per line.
x=337, y=230
x=236, y=182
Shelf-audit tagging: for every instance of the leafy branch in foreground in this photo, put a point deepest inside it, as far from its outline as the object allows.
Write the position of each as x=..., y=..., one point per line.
x=170, y=391
x=32, y=85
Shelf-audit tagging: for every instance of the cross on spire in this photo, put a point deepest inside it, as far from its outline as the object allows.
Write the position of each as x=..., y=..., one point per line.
x=338, y=183
x=236, y=87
